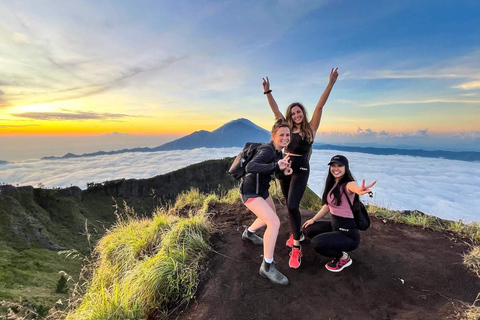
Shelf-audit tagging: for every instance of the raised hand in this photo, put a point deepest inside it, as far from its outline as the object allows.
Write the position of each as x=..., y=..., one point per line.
x=366, y=189
x=333, y=76
x=284, y=163
x=266, y=84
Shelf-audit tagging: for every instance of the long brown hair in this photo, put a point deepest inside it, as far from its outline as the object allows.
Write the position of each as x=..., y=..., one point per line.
x=305, y=130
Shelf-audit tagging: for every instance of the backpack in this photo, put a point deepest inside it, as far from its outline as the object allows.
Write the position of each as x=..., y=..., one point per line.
x=237, y=169
x=360, y=214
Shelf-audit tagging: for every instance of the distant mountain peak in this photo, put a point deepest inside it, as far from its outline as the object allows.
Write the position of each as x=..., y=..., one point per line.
x=241, y=121
x=232, y=134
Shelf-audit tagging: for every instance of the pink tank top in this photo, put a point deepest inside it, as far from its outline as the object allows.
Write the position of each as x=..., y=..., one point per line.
x=343, y=210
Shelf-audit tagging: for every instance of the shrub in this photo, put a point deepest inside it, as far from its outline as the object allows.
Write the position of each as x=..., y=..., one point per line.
x=62, y=286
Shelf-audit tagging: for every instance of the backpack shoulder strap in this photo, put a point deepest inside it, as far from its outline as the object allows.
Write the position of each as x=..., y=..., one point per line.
x=346, y=196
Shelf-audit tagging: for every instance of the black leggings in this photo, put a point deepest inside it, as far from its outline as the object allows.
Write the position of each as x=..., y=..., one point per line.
x=293, y=188
x=331, y=238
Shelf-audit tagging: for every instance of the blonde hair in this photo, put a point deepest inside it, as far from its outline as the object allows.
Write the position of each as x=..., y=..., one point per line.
x=280, y=124
x=305, y=129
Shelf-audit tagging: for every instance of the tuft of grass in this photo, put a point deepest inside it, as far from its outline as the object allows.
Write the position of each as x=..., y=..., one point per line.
x=382, y=213
x=144, y=266
x=470, y=312
x=472, y=260
x=192, y=198
x=275, y=191
x=422, y=220
x=469, y=231
x=231, y=197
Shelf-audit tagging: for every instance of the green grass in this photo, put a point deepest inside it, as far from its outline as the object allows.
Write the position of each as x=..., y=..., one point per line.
x=469, y=231
x=30, y=277
x=472, y=260
x=144, y=266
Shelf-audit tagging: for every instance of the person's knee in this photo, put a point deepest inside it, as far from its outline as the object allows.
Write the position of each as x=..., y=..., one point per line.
x=308, y=232
x=316, y=241
x=273, y=223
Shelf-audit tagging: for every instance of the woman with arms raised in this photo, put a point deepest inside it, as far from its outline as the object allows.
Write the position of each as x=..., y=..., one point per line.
x=299, y=150
x=254, y=191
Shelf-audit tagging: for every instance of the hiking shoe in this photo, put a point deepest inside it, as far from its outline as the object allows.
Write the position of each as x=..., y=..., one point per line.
x=252, y=237
x=295, y=258
x=269, y=271
x=290, y=240
x=338, y=264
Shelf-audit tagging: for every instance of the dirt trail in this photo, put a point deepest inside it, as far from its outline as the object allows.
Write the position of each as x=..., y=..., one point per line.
x=398, y=272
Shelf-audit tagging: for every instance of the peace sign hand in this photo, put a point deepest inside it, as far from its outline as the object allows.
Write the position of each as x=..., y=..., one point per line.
x=266, y=84
x=366, y=189
x=333, y=76
x=288, y=170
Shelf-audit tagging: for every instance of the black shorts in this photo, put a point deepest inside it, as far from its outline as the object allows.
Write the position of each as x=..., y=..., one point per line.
x=245, y=197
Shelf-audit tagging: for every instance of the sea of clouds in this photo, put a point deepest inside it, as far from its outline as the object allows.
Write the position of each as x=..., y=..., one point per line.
x=449, y=189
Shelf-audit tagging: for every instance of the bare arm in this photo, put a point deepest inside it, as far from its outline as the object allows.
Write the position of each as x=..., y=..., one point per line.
x=317, y=114
x=271, y=100
x=325, y=209
x=353, y=187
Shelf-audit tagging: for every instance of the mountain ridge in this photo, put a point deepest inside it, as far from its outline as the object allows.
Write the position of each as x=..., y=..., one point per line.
x=236, y=133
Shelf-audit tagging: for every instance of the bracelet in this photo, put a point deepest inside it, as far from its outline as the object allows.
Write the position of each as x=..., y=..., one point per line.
x=267, y=92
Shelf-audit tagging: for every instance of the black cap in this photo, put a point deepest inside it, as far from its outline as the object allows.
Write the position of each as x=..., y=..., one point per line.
x=341, y=160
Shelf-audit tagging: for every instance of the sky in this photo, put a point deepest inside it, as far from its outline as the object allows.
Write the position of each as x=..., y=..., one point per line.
x=157, y=70
x=442, y=188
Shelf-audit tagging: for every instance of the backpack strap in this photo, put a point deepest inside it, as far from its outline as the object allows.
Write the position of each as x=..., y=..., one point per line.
x=346, y=196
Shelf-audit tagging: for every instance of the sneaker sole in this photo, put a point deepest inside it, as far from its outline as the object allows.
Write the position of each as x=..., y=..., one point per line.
x=278, y=284
x=349, y=263
x=293, y=267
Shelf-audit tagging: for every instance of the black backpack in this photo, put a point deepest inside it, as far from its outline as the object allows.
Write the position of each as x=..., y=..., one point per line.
x=237, y=169
x=362, y=219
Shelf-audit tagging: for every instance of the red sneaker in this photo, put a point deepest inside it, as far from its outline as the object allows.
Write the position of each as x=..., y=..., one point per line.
x=295, y=258
x=337, y=265
x=290, y=240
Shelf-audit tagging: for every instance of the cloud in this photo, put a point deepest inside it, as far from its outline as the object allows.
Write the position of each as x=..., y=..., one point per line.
x=120, y=78
x=17, y=126
x=422, y=139
x=69, y=115
x=424, y=101
x=80, y=171
x=469, y=85
x=439, y=187
x=366, y=67
x=203, y=46
x=371, y=133
x=422, y=132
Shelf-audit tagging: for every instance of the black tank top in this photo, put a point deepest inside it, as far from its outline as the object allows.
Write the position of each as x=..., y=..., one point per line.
x=298, y=145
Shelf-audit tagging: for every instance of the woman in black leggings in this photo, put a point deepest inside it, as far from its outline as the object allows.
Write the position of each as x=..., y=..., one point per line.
x=340, y=235
x=299, y=150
